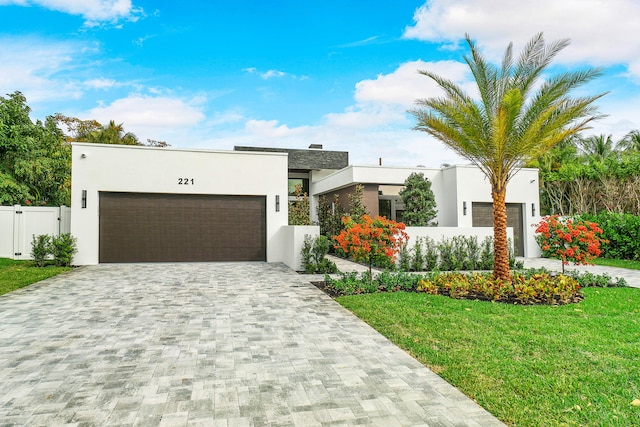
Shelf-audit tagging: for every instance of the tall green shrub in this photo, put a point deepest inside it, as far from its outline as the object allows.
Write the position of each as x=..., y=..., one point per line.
x=41, y=249
x=621, y=232
x=63, y=247
x=419, y=201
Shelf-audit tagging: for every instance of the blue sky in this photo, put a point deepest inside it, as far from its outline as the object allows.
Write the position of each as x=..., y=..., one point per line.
x=290, y=73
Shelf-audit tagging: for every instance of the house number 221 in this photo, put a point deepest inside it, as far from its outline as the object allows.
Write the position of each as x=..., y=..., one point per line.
x=185, y=181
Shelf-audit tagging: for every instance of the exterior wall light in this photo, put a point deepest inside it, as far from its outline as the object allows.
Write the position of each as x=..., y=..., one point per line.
x=277, y=203
x=533, y=209
x=464, y=208
x=84, y=199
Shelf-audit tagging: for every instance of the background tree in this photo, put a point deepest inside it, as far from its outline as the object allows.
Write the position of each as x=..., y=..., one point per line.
x=35, y=160
x=419, y=201
x=597, y=147
x=515, y=120
x=631, y=141
x=357, y=208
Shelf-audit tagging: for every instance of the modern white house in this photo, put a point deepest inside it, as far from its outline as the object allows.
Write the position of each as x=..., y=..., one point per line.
x=145, y=204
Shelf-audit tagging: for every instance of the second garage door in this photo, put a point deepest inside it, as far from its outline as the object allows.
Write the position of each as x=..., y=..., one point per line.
x=482, y=216
x=143, y=227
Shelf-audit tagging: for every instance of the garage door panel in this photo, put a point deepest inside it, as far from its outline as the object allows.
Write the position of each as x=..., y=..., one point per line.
x=482, y=216
x=139, y=227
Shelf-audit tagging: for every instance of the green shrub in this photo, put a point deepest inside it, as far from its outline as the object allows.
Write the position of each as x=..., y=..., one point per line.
x=622, y=232
x=486, y=254
x=41, y=249
x=418, y=258
x=537, y=288
x=430, y=254
x=63, y=247
x=534, y=286
x=404, y=258
x=314, y=252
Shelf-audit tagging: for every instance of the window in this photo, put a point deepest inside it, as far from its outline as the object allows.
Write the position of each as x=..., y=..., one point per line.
x=304, y=182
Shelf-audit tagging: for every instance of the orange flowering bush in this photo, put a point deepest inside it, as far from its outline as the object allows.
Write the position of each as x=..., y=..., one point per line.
x=369, y=239
x=578, y=242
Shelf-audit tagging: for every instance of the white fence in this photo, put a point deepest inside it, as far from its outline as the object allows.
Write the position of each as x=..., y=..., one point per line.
x=18, y=225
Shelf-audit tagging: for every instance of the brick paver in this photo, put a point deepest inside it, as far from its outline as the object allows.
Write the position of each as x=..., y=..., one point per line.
x=228, y=344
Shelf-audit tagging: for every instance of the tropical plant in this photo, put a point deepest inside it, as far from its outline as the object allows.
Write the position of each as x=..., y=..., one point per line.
x=597, y=147
x=35, y=161
x=371, y=239
x=516, y=119
x=299, y=208
x=571, y=241
x=419, y=201
x=112, y=134
x=631, y=141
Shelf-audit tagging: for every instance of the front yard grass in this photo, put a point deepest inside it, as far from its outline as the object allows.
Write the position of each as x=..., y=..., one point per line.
x=621, y=263
x=18, y=274
x=569, y=365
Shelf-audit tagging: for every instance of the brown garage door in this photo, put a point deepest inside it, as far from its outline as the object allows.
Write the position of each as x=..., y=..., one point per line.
x=482, y=216
x=143, y=227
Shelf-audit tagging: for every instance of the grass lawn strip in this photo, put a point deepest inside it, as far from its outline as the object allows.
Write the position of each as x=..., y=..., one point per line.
x=621, y=263
x=573, y=365
x=18, y=274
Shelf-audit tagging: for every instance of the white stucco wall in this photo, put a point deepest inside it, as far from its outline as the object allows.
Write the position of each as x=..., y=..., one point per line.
x=472, y=186
x=293, y=239
x=451, y=186
x=136, y=169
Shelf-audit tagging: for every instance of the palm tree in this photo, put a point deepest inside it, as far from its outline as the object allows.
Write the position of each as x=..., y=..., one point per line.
x=112, y=134
x=516, y=119
x=597, y=147
x=631, y=141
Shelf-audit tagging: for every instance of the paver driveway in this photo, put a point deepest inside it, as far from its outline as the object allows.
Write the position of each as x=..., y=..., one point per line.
x=230, y=344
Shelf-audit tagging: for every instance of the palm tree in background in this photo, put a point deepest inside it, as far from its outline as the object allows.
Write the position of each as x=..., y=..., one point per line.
x=597, y=147
x=516, y=119
x=631, y=141
x=112, y=134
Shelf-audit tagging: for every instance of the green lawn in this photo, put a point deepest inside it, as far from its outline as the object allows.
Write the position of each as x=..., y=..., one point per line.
x=622, y=263
x=572, y=365
x=18, y=274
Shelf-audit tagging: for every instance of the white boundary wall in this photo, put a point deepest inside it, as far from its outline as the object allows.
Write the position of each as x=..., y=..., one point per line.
x=293, y=238
x=18, y=225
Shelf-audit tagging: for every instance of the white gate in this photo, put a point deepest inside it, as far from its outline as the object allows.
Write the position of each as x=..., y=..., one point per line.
x=18, y=225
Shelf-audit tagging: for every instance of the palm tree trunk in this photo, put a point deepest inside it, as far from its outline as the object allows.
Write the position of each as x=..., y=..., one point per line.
x=501, y=268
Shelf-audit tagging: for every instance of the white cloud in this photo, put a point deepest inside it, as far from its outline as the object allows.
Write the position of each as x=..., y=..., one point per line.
x=601, y=31
x=384, y=100
x=100, y=83
x=34, y=66
x=270, y=74
x=144, y=111
x=405, y=84
x=94, y=11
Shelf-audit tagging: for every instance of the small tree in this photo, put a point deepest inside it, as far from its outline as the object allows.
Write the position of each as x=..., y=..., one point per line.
x=578, y=242
x=356, y=204
x=329, y=216
x=419, y=201
x=299, y=209
x=369, y=239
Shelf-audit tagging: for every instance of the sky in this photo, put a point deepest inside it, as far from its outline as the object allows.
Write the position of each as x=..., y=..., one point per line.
x=289, y=73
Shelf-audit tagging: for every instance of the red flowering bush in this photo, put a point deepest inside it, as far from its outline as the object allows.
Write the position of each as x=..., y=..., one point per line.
x=578, y=242
x=367, y=239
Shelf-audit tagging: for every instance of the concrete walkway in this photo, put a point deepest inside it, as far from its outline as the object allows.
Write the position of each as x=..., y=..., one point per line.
x=229, y=344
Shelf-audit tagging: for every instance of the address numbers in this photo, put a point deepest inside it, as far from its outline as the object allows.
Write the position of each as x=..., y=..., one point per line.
x=186, y=181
